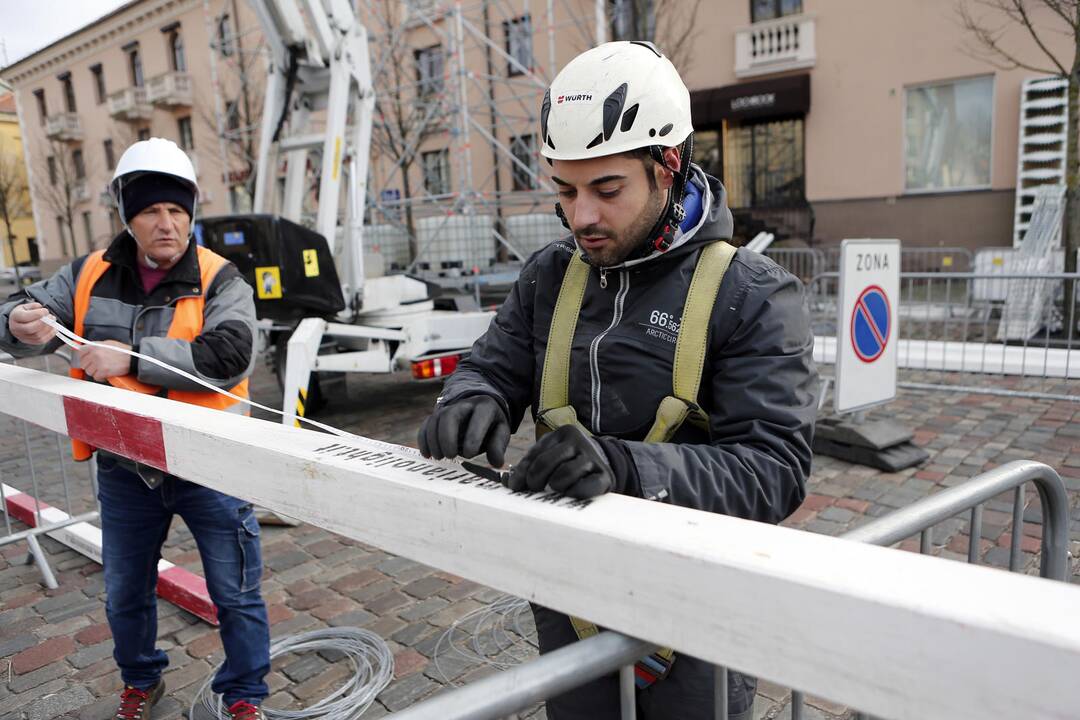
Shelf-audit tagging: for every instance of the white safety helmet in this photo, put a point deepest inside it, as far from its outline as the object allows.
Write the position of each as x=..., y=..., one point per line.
x=157, y=156
x=615, y=97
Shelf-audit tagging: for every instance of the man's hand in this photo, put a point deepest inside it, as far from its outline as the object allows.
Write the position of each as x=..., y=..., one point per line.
x=570, y=462
x=26, y=326
x=466, y=428
x=102, y=363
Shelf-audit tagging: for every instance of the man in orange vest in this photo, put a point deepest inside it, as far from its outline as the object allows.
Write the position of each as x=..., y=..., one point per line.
x=154, y=291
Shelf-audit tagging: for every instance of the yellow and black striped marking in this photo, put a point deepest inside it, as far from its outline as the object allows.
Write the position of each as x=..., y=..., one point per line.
x=301, y=400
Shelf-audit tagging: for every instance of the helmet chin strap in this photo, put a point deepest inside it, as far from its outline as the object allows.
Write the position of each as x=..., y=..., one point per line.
x=662, y=235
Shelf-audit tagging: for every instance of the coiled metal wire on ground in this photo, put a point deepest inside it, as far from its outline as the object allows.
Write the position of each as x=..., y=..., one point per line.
x=499, y=635
x=373, y=669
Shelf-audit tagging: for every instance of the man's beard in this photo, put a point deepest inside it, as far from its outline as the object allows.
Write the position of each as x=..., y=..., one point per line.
x=622, y=245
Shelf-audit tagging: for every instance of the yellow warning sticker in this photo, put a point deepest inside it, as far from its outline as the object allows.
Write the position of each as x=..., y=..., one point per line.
x=947, y=261
x=311, y=263
x=998, y=261
x=268, y=282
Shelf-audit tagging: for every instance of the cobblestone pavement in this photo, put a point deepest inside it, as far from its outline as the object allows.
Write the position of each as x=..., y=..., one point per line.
x=55, y=646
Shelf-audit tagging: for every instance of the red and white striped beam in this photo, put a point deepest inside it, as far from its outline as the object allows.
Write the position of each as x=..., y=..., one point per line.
x=895, y=634
x=178, y=585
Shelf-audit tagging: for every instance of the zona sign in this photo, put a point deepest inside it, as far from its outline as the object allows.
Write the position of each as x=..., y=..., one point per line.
x=870, y=324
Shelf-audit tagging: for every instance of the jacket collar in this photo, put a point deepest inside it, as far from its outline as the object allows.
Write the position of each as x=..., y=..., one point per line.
x=121, y=251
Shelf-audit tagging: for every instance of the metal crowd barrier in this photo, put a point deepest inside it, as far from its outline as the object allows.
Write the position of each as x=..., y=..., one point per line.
x=1027, y=338
x=808, y=263
x=521, y=687
x=42, y=491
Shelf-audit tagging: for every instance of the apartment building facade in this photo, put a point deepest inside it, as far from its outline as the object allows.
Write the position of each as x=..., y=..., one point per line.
x=164, y=68
x=875, y=114
x=19, y=242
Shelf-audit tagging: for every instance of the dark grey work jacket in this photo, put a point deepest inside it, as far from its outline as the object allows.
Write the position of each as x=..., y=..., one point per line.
x=222, y=354
x=759, y=383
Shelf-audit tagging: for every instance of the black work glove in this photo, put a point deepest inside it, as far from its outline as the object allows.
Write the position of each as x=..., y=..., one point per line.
x=466, y=427
x=575, y=464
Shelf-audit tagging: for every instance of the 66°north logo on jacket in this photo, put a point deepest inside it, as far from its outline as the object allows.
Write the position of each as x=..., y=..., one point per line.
x=664, y=326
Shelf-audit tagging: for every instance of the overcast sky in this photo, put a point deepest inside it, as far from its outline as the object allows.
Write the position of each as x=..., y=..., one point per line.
x=29, y=25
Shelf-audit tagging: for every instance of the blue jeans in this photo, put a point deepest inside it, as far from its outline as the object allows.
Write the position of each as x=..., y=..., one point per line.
x=134, y=523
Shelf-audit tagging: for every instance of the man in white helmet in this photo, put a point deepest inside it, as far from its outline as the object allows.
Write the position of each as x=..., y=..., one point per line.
x=157, y=293
x=658, y=361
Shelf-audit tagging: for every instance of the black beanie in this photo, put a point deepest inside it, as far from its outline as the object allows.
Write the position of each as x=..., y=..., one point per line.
x=152, y=188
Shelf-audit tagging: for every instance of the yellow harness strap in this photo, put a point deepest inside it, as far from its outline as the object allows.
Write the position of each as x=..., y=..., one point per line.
x=675, y=409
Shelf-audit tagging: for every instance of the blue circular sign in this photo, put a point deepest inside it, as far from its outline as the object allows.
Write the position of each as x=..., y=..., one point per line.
x=870, y=324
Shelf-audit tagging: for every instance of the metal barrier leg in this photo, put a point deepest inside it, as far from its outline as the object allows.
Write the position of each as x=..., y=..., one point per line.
x=975, y=537
x=1017, y=529
x=720, y=708
x=627, y=693
x=37, y=556
x=796, y=705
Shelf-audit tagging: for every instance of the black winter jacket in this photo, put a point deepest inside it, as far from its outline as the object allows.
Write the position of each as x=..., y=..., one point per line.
x=759, y=384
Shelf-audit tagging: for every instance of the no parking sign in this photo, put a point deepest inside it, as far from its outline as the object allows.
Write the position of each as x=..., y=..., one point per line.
x=866, y=325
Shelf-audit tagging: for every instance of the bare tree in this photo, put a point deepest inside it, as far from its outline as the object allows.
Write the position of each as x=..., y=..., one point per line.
x=670, y=24
x=14, y=195
x=244, y=73
x=988, y=42
x=61, y=180
x=407, y=111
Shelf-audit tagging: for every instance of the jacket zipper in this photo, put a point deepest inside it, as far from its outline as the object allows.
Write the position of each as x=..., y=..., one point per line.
x=603, y=278
x=594, y=349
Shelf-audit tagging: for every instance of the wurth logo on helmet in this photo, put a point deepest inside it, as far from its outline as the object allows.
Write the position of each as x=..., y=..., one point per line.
x=573, y=98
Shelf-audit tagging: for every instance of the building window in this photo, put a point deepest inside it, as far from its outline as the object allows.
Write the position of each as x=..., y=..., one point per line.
x=62, y=235
x=771, y=9
x=947, y=135
x=52, y=170
x=524, y=150
x=114, y=222
x=69, y=92
x=436, y=168
x=43, y=109
x=632, y=19
x=88, y=230
x=225, y=36
x=144, y=134
x=176, y=52
x=519, y=44
x=110, y=155
x=429, y=69
x=187, y=140
x=99, y=82
x=232, y=115
x=78, y=164
x=135, y=65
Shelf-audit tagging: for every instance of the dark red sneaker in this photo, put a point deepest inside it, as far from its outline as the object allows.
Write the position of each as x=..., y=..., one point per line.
x=243, y=710
x=135, y=704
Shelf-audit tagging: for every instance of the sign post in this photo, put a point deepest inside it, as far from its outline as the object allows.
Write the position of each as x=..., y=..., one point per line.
x=866, y=358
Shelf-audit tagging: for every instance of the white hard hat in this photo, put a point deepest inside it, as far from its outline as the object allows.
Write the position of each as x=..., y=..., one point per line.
x=156, y=155
x=615, y=97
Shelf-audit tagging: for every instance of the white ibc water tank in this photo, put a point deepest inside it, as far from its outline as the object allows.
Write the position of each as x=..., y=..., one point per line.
x=529, y=232
x=391, y=241
x=448, y=240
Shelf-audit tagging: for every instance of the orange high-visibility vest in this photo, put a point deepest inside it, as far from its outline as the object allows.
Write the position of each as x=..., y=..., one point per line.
x=187, y=323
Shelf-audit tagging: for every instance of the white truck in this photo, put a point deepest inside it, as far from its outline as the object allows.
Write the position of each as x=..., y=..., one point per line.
x=311, y=286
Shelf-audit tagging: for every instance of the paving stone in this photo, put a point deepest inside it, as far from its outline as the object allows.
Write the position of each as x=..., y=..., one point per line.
x=425, y=587
x=407, y=691
x=18, y=643
x=413, y=633
x=386, y=602
x=91, y=654
x=27, y=681
x=56, y=704
x=305, y=667
x=356, y=618
x=286, y=560
x=407, y=662
x=42, y=654
x=836, y=514
x=423, y=609
x=322, y=684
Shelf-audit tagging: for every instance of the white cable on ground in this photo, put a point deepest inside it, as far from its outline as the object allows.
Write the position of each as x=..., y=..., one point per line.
x=373, y=669
x=494, y=635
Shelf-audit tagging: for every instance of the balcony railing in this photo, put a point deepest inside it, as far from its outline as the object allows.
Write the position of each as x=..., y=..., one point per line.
x=172, y=89
x=771, y=46
x=63, y=126
x=130, y=104
x=80, y=190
